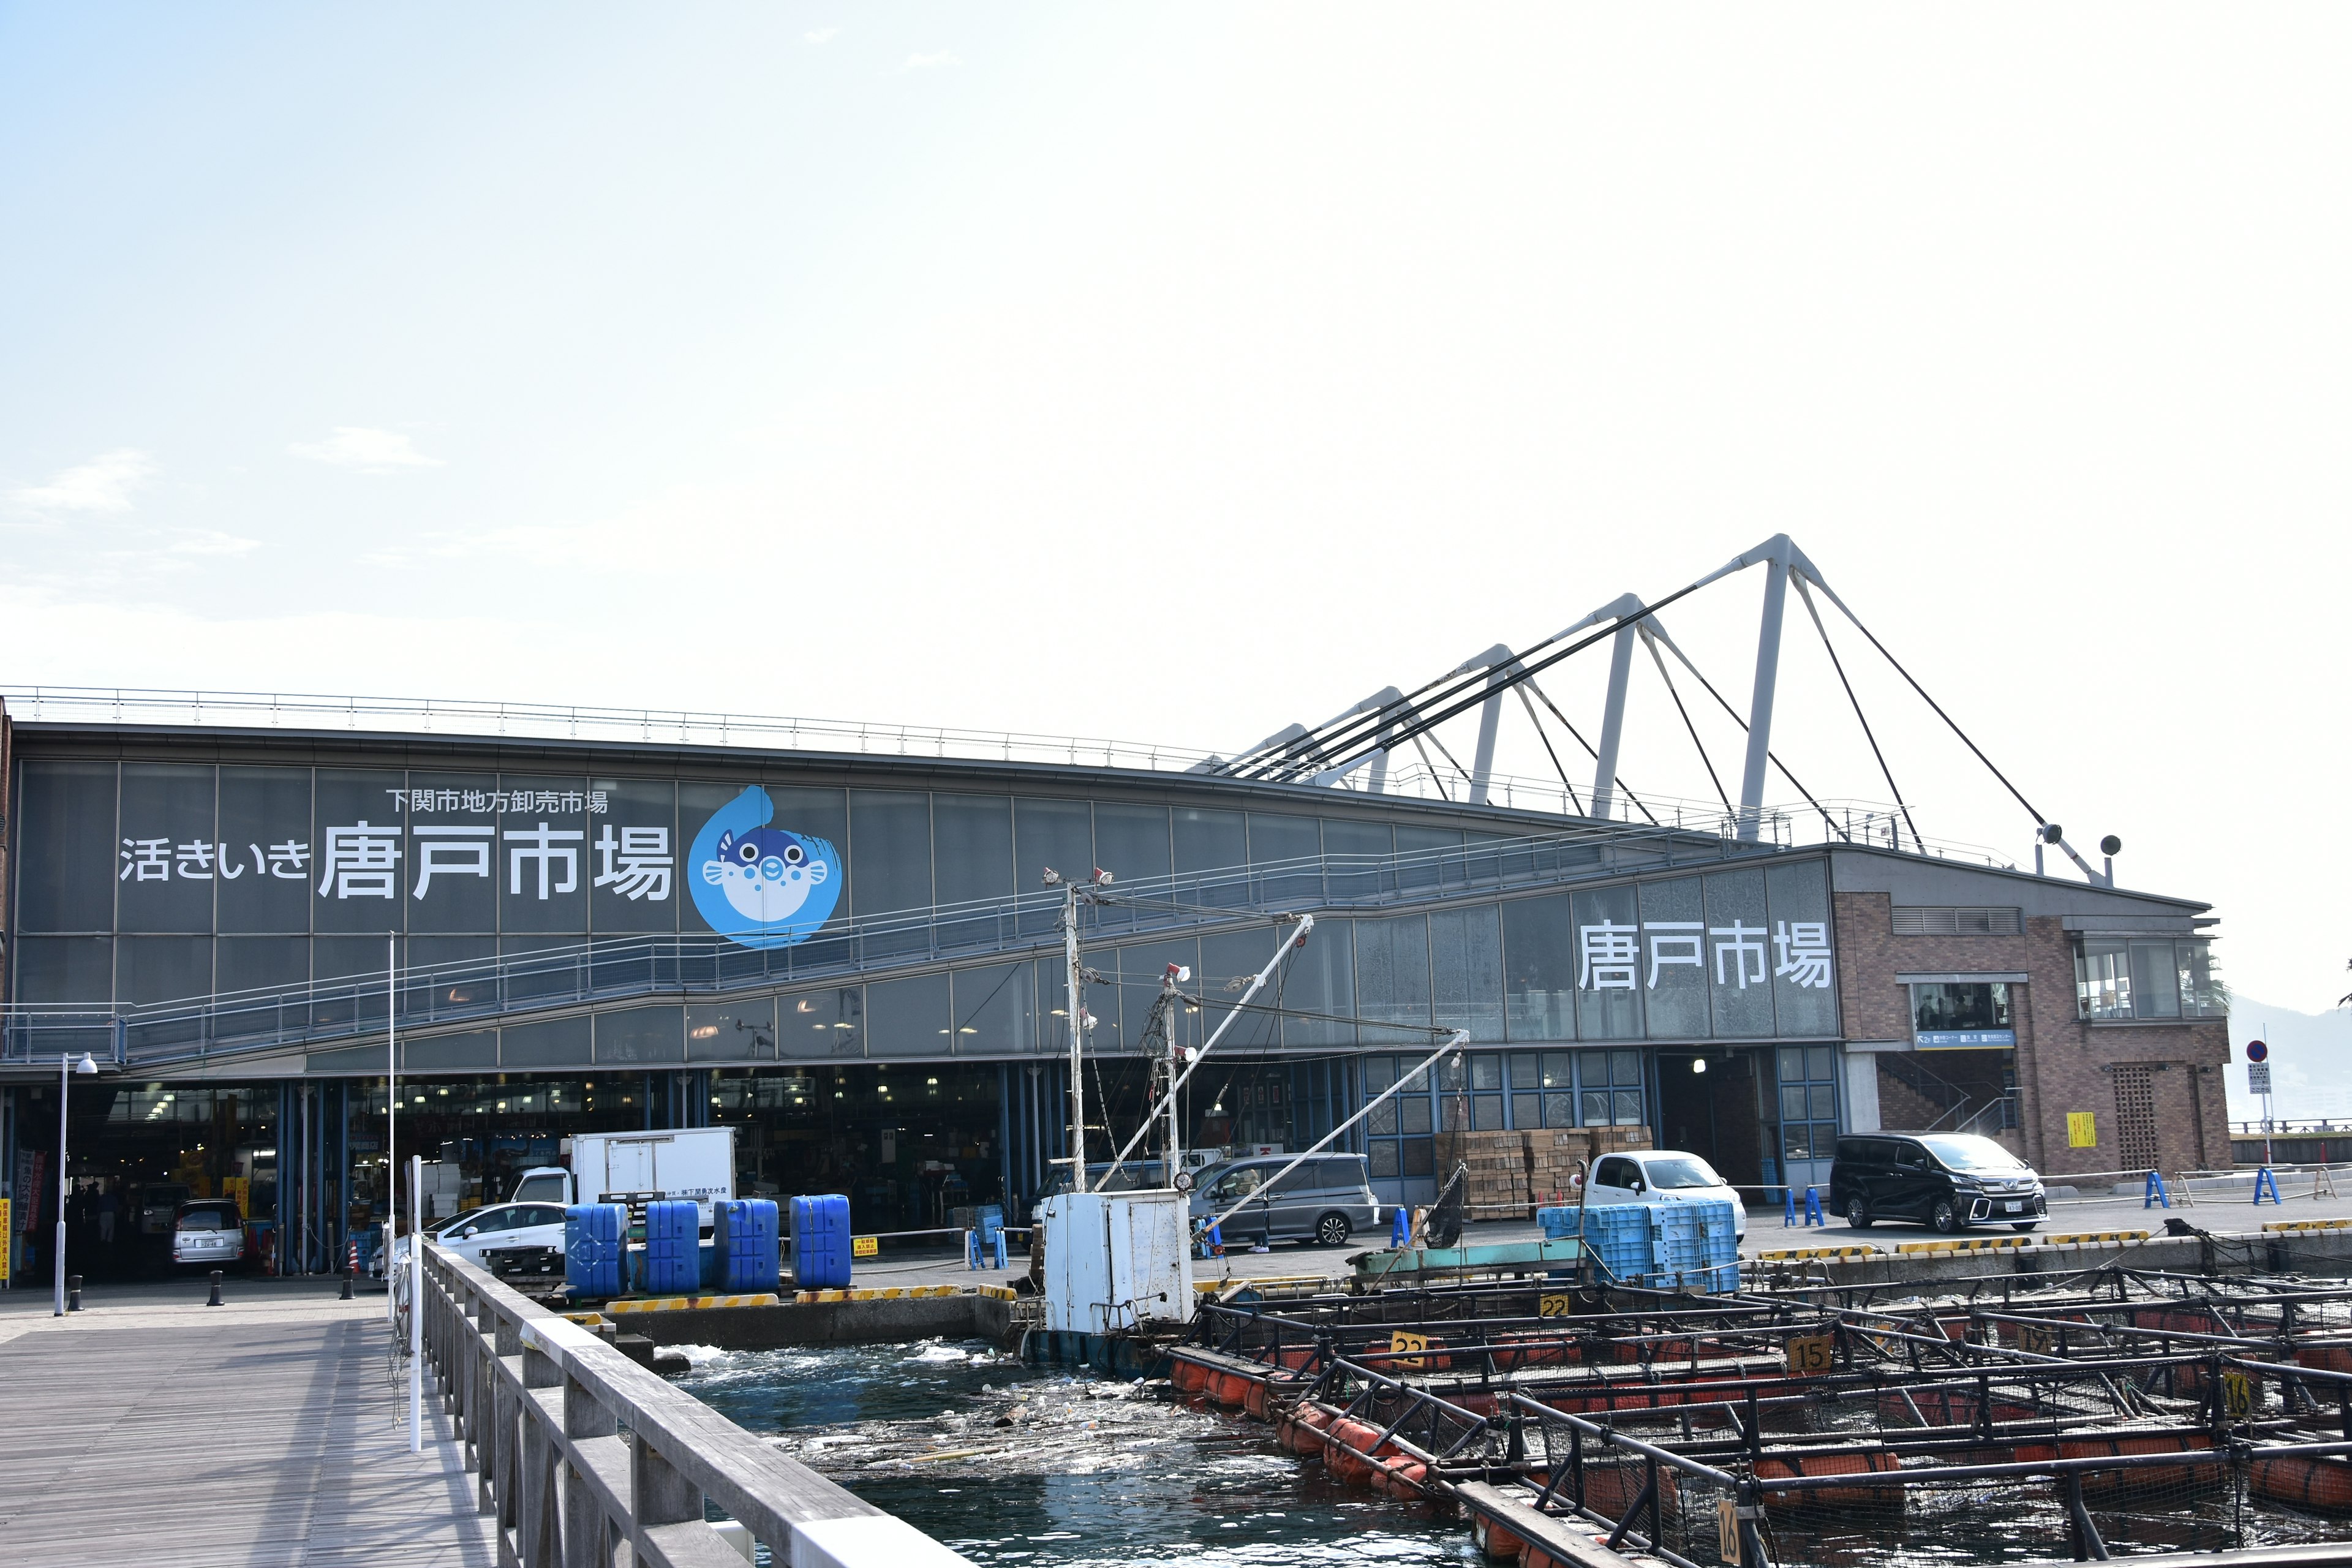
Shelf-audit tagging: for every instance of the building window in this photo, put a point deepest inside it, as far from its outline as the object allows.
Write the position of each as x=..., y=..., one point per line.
x=1963, y=1015
x=1809, y=1113
x=2120, y=979
x=1397, y=1134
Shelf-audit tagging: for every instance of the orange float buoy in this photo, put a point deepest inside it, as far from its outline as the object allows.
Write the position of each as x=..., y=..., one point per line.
x=1401, y=1478
x=1884, y=1495
x=1187, y=1376
x=2325, y=1358
x=1494, y=1539
x=1347, y=1445
x=2311, y=1481
x=1299, y=1429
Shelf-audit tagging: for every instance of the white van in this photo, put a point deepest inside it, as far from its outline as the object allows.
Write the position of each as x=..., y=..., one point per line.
x=1661, y=1176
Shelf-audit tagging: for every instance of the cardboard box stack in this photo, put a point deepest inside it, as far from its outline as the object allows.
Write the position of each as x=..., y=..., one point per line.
x=1608, y=1138
x=1554, y=1156
x=1498, y=1183
x=1515, y=1174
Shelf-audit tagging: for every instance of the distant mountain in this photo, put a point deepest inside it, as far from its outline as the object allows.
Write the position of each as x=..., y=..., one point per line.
x=2311, y=1061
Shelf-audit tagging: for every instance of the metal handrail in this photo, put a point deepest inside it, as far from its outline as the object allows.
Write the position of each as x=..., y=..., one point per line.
x=612, y=969
x=578, y=1448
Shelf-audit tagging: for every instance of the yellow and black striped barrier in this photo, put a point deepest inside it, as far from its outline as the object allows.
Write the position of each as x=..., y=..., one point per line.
x=681, y=1303
x=2094, y=1239
x=2307, y=1225
x=1807, y=1254
x=1962, y=1244
x=895, y=1293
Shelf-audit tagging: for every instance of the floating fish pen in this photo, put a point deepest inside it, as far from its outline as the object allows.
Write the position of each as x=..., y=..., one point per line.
x=2119, y=1414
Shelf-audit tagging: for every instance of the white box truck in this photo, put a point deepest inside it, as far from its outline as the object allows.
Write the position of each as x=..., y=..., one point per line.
x=696, y=1163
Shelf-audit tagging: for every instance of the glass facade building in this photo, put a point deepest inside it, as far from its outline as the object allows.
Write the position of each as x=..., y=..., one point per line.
x=852, y=960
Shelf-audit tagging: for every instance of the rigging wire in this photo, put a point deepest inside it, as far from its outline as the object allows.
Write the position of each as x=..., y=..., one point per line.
x=1827, y=820
x=1536, y=723
x=1946, y=718
x=1361, y=745
x=1589, y=750
x=1467, y=777
x=1835, y=663
x=1658, y=659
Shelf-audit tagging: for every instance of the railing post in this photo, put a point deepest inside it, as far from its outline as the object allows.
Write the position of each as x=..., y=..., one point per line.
x=658, y=1495
x=500, y=1465
x=587, y=1538
x=537, y=1539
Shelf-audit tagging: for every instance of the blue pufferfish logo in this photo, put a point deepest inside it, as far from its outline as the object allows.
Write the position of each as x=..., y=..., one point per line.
x=760, y=886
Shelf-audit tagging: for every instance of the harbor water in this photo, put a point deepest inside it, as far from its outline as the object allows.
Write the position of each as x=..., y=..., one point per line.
x=1012, y=1464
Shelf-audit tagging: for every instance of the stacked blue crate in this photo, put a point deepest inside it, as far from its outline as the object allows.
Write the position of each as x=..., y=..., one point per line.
x=1617, y=1236
x=1697, y=1245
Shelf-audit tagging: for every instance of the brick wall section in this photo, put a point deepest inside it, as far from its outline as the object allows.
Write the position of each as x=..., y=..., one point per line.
x=2059, y=1058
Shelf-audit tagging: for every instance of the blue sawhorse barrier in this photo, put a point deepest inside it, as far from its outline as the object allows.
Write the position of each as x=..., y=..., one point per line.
x=2264, y=1179
x=1400, y=1228
x=1813, y=1207
x=2155, y=1193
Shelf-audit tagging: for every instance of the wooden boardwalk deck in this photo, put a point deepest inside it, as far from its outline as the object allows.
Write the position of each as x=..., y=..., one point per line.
x=152, y=1429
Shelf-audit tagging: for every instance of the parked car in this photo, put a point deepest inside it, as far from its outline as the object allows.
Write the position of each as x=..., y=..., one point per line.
x=208, y=1234
x=1946, y=1179
x=1326, y=1200
x=1661, y=1176
x=478, y=1231
x=159, y=1206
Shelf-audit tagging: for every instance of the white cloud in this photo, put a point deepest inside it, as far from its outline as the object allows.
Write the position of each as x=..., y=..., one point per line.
x=102, y=484
x=368, y=451
x=925, y=62
x=212, y=541
x=821, y=34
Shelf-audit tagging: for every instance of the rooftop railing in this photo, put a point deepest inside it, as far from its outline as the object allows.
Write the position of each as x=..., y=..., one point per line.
x=1839, y=820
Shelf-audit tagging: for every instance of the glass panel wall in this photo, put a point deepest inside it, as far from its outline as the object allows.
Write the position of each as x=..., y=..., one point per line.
x=2121, y=979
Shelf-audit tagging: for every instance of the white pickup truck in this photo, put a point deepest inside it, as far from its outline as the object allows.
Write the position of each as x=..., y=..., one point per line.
x=696, y=1163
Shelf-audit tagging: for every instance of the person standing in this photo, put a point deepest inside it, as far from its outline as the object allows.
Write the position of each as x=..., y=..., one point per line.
x=109, y=1205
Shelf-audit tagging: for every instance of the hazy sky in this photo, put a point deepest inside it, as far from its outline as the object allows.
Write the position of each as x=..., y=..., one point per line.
x=1175, y=372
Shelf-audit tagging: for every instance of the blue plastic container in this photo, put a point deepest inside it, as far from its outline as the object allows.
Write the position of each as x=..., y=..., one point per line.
x=673, y=1254
x=821, y=1242
x=743, y=1245
x=1698, y=1245
x=1617, y=1236
x=595, y=1249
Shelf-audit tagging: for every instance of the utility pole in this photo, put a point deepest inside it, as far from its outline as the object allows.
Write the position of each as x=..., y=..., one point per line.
x=1076, y=994
x=390, y=1106
x=1173, y=998
x=1160, y=1028
x=1076, y=975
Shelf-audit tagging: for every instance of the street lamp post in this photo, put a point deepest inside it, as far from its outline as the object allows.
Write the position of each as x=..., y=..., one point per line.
x=68, y=1069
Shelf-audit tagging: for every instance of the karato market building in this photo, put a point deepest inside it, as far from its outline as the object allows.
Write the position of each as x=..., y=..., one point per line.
x=837, y=940
x=222, y=916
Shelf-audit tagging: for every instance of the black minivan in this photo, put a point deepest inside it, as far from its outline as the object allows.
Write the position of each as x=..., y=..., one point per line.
x=1945, y=1180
